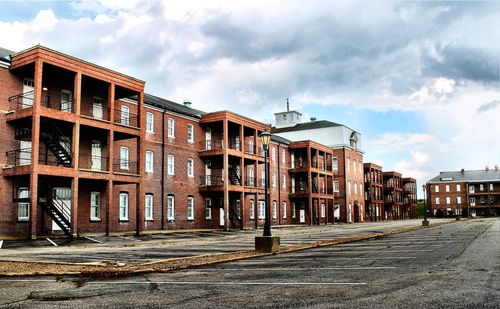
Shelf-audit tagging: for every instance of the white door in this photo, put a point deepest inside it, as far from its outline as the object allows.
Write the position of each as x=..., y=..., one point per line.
x=349, y=213
x=251, y=175
x=222, y=215
x=302, y=215
x=124, y=162
x=28, y=92
x=208, y=173
x=97, y=108
x=293, y=184
x=25, y=154
x=292, y=160
x=208, y=139
x=96, y=155
x=66, y=98
x=125, y=113
x=63, y=204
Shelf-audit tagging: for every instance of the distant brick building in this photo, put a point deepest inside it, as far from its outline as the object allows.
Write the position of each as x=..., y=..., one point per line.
x=452, y=193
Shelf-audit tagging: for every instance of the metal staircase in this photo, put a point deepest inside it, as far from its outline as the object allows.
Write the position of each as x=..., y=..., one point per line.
x=52, y=138
x=56, y=209
x=234, y=176
x=235, y=217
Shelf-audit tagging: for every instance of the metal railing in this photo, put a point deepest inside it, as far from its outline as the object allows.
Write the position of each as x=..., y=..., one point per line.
x=21, y=101
x=96, y=111
x=207, y=145
x=251, y=182
x=94, y=163
x=250, y=148
x=299, y=164
x=299, y=190
x=128, y=119
x=235, y=143
x=211, y=180
x=19, y=157
x=55, y=101
x=125, y=166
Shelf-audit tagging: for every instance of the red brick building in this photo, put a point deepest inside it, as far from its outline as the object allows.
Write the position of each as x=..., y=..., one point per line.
x=453, y=193
x=393, y=195
x=374, y=192
x=409, y=198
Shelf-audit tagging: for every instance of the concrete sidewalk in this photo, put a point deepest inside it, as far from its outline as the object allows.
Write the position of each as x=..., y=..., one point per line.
x=129, y=250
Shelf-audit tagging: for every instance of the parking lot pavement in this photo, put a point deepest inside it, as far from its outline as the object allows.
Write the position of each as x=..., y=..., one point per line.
x=147, y=248
x=448, y=266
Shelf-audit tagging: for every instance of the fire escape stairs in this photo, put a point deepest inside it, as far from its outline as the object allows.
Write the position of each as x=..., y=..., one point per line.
x=56, y=209
x=234, y=176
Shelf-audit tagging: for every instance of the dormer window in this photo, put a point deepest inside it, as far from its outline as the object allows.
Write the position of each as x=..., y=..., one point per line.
x=353, y=140
x=284, y=117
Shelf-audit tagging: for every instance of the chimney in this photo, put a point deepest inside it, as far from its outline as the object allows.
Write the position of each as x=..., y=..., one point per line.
x=462, y=171
x=187, y=104
x=287, y=105
x=313, y=119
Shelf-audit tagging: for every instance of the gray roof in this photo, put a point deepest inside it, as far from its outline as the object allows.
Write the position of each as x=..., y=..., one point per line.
x=307, y=126
x=467, y=176
x=280, y=140
x=5, y=54
x=172, y=106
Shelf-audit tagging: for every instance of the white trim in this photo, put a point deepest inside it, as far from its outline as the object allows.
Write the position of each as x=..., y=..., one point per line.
x=167, y=112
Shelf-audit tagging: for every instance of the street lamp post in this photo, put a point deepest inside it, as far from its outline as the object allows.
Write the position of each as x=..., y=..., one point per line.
x=425, y=222
x=266, y=242
x=265, y=137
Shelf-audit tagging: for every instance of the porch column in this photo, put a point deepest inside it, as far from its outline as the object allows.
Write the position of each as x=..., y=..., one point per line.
x=226, y=174
x=78, y=92
x=74, y=207
x=309, y=185
x=140, y=164
x=109, y=205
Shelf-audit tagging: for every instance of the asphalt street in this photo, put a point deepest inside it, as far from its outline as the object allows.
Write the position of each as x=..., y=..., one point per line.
x=449, y=266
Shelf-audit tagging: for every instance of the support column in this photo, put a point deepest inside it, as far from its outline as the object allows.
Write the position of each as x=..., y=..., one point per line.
x=78, y=92
x=140, y=165
x=309, y=185
x=226, y=174
x=109, y=205
x=243, y=204
x=74, y=207
x=35, y=147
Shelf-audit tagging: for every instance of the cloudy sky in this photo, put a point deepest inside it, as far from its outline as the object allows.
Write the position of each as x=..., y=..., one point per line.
x=419, y=80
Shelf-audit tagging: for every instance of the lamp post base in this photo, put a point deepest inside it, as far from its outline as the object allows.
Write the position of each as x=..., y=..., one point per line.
x=425, y=223
x=268, y=244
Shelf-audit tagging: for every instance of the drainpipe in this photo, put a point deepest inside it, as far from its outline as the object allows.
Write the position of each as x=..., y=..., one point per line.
x=279, y=188
x=163, y=169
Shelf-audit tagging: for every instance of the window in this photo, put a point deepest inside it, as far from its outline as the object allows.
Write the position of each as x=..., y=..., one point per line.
x=336, y=186
x=170, y=165
x=23, y=208
x=273, y=153
x=263, y=178
x=149, y=161
x=171, y=129
x=491, y=187
x=125, y=115
x=170, y=207
x=335, y=164
x=190, y=166
x=150, y=122
x=283, y=180
x=284, y=210
x=458, y=188
x=447, y=188
x=252, y=209
x=360, y=167
x=95, y=206
x=262, y=210
x=274, y=180
x=208, y=208
x=482, y=200
x=348, y=164
x=275, y=210
x=472, y=201
x=190, y=132
x=123, y=206
x=481, y=187
x=148, y=207
x=448, y=200
x=436, y=188
x=354, y=165
x=349, y=187
x=283, y=156
x=238, y=209
x=124, y=161
x=323, y=210
x=459, y=200
x=355, y=187
x=190, y=208
x=360, y=188
x=437, y=200
x=471, y=189
x=293, y=210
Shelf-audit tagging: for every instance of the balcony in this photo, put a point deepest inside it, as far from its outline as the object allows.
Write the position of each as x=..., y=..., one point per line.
x=125, y=166
x=235, y=144
x=211, y=180
x=58, y=101
x=251, y=182
x=250, y=148
x=299, y=190
x=299, y=164
x=20, y=157
x=209, y=145
x=125, y=118
x=93, y=163
x=21, y=101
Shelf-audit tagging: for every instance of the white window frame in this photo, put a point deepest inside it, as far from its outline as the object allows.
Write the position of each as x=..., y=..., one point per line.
x=447, y=188
x=171, y=128
x=252, y=209
x=148, y=207
x=190, y=208
x=149, y=157
x=448, y=200
x=283, y=156
x=273, y=153
x=472, y=201
x=23, y=208
x=459, y=200
x=458, y=188
x=354, y=162
x=262, y=209
x=208, y=208
x=95, y=210
x=481, y=187
x=436, y=188
x=355, y=187
x=124, y=201
x=335, y=164
x=491, y=187
x=125, y=115
x=170, y=208
x=275, y=210
x=170, y=165
x=124, y=159
x=294, y=211
x=323, y=210
x=190, y=167
x=349, y=187
x=283, y=204
x=150, y=123
x=283, y=179
x=336, y=186
x=437, y=200
x=190, y=133
x=274, y=180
